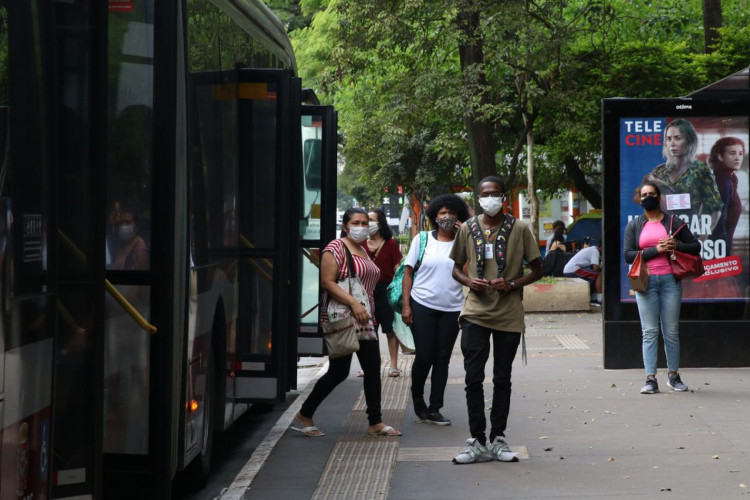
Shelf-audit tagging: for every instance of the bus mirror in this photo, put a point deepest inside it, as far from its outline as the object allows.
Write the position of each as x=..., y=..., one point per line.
x=312, y=162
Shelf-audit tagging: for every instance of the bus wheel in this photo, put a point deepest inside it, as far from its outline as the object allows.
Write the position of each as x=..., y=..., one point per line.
x=196, y=474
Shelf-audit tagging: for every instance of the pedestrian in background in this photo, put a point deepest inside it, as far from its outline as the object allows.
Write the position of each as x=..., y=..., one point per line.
x=384, y=252
x=432, y=302
x=493, y=309
x=660, y=303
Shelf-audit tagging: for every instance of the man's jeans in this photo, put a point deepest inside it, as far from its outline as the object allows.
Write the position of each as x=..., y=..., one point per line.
x=660, y=303
x=475, y=345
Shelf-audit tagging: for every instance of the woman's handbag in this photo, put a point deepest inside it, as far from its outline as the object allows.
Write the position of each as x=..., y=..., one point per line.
x=342, y=331
x=684, y=265
x=638, y=274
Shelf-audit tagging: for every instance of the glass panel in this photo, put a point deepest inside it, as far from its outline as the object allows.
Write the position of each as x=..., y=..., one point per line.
x=129, y=145
x=73, y=383
x=312, y=163
x=310, y=289
x=258, y=175
x=126, y=374
x=256, y=313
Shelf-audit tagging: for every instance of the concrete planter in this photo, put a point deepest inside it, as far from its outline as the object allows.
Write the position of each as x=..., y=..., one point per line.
x=565, y=294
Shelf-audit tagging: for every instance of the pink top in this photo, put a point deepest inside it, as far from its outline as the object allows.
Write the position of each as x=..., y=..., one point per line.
x=650, y=235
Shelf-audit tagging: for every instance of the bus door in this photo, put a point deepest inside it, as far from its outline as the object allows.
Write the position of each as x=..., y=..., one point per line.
x=317, y=219
x=267, y=233
x=50, y=271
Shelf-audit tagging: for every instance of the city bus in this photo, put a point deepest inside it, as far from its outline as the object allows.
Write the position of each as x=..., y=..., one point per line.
x=166, y=187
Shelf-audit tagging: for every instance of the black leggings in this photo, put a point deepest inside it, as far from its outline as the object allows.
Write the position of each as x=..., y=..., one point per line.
x=338, y=371
x=435, y=334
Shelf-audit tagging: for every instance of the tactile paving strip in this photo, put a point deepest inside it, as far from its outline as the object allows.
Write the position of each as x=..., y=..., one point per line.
x=360, y=465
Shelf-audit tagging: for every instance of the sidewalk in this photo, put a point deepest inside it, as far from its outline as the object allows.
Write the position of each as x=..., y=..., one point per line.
x=581, y=432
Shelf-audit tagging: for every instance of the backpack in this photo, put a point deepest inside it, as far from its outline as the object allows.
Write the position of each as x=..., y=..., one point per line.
x=395, y=298
x=554, y=263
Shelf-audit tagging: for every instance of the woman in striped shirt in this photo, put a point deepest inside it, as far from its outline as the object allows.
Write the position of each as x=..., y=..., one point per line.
x=333, y=268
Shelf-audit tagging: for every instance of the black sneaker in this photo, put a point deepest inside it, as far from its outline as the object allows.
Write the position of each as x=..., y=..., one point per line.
x=435, y=418
x=651, y=386
x=420, y=407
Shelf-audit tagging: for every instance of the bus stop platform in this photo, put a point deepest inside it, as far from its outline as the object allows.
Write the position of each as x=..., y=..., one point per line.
x=580, y=432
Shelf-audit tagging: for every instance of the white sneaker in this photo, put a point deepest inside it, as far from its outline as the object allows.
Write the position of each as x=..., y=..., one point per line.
x=501, y=452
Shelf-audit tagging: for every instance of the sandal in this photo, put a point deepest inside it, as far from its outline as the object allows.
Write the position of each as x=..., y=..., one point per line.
x=360, y=373
x=309, y=431
x=387, y=431
x=394, y=372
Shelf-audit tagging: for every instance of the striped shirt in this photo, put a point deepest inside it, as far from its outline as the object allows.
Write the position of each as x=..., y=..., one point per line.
x=366, y=270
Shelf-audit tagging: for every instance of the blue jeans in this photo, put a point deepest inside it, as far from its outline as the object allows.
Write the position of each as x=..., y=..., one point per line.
x=660, y=303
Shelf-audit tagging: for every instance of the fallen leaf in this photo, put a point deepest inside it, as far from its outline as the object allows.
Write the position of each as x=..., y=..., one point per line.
x=610, y=459
x=743, y=485
x=543, y=437
x=715, y=457
x=613, y=386
x=562, y=458
x=680, y=447
x=666, y=489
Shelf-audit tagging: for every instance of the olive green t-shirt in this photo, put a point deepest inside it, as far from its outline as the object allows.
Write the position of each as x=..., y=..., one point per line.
x=490, y=308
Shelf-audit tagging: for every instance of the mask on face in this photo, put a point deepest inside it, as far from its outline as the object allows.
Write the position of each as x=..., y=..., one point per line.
x=650, y=202
x=127, y=231
x=358, y=234
x=447, y=224
x=492, y=204
x=374, y=228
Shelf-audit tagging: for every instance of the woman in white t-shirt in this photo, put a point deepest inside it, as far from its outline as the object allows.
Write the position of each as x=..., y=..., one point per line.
x=432, y=303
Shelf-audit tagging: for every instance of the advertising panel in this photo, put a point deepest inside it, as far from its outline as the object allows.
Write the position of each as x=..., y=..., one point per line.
x=700, y=164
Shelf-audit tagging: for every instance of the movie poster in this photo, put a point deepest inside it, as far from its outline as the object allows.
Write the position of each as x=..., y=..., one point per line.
x=712, y=195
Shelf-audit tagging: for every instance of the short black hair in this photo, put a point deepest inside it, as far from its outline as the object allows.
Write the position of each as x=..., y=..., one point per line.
x=385, y=230
x=495, y=179
x=449, y=201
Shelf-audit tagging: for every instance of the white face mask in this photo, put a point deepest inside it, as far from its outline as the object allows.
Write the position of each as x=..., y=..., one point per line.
x=127, y=231
x=358, y=234
x=492, y=204
x=374, y=228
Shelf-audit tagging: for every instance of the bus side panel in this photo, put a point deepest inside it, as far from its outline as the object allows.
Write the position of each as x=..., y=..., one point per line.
x=27, y=411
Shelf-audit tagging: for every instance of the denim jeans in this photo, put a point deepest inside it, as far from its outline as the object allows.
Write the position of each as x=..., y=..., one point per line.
x=660, y=304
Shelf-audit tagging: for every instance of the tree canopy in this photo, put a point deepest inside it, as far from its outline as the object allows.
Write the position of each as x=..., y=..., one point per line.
x=431, y=91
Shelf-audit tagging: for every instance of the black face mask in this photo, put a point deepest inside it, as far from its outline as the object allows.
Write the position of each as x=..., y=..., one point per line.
x=650, y=202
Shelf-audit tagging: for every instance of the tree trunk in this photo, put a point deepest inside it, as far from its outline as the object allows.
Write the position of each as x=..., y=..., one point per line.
x=482, y=145
x=711, y=24
x=531, y=186
x=579, y=181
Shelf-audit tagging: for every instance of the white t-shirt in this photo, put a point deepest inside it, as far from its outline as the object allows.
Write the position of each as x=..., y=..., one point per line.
x=582, y=259
x=433, y=285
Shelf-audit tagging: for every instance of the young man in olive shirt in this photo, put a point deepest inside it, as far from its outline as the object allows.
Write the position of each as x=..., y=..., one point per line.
x=493, y=308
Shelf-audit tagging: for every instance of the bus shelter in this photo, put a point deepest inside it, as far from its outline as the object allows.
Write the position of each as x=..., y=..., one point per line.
x=715, y=313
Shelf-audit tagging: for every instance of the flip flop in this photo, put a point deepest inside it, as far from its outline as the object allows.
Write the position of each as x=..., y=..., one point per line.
x=394, y=372
x=387, y=431
x=360, y=373
x=306, y=431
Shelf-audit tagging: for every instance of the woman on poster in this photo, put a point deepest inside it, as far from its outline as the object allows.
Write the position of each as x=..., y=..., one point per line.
x=688, y=187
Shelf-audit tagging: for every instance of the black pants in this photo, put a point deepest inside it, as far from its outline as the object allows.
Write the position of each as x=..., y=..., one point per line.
x=435, y=334
x=338, y=371
x=475, y=345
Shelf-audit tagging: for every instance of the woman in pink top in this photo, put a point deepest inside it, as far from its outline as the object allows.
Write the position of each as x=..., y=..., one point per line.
x=661, y=301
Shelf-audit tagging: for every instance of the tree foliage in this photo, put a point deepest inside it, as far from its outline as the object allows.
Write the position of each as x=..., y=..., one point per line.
x=394, y=70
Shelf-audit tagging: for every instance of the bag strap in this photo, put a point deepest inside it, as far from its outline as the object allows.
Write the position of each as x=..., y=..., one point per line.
x=377, y=252
x=423, y=237
x=671, y=221
x=501, y=244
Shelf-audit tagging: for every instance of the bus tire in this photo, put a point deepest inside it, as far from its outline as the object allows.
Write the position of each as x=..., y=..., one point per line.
x=197, y=473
